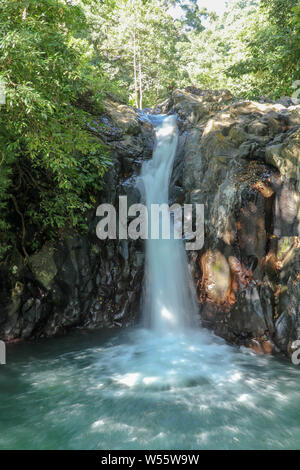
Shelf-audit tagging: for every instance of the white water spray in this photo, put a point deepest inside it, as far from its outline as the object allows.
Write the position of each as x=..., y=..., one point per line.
x=169, y=298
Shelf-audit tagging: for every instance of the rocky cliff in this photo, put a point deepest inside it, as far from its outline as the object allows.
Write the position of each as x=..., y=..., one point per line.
x=241, y=159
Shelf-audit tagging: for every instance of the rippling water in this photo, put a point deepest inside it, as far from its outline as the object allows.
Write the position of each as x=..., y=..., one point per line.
x=137, y=390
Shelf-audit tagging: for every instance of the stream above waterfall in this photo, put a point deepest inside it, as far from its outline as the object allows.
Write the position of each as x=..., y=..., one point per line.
x=139, y=390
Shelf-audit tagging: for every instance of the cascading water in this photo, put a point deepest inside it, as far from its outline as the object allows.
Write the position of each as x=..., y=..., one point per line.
x=169, y=300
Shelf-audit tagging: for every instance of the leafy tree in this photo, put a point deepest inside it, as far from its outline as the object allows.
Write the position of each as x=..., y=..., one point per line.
x=253, y=49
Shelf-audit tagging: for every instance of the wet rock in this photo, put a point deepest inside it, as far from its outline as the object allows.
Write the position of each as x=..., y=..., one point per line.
x=193, y=105
x=242, y=162
x=285, y=329
x=43, y=266
x=286, y=156
x=285, y=101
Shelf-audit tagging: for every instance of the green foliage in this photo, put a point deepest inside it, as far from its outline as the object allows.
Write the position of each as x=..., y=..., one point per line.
x=49, y=160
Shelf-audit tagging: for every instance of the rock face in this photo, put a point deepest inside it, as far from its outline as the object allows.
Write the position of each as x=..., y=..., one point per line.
x=241, y=159
x=83, y=281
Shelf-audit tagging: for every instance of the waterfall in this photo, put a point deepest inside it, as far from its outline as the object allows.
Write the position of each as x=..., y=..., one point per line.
x=169, y=299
